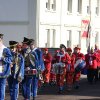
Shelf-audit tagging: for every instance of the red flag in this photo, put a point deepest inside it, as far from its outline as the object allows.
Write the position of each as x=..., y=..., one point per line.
x=86, y=28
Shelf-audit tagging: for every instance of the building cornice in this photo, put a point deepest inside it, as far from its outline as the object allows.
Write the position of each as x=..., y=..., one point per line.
x=14, y=22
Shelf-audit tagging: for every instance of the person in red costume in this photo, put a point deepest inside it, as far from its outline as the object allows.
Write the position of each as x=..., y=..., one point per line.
x=52, y=74
x=91, y=63
x=47, y=57
x=70, y=69
x=78, y=56
x=60, y=61
x=97, y=51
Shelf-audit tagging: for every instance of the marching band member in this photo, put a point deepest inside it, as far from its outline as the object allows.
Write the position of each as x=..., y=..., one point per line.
x=5, y=61
x=78, y=56
x=34, y=67
x=70, y=70
x=25, y=50
x=60, y=59
x=52, y=74
x=47, y=62
x=97, y=51
x=91, y=63
x=17, y=71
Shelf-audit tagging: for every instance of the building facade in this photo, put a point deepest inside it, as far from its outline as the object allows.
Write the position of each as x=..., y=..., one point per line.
x=51, y=22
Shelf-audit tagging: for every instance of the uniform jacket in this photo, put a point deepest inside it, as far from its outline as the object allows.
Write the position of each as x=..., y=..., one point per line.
x=6, y=61
x=91, y=61
x=20, y=71
x=48, y=60
x=37, y=59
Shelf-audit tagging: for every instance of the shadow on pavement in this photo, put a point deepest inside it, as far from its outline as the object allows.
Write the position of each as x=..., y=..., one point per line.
x=85, y=90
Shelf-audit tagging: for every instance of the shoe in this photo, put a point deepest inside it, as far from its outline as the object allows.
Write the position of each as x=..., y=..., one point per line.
x=76, y=87
x=33, y=98
x=60, y=91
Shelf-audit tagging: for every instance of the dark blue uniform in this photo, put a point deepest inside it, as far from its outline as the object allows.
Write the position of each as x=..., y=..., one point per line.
x=17, y=75
x=32, y=81
x=5, y=60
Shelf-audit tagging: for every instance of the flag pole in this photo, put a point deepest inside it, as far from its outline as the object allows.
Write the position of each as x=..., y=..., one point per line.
x=90, y=26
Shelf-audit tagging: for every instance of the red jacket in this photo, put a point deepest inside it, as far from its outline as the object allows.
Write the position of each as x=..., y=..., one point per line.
x=91, y=61
x=47, y=59
x=98, y=58
x=72, y=57
x=79, y=56
x=60, y=57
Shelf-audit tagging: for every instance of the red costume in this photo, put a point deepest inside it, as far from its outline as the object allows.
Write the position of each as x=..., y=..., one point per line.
x=91, y=64
x=47, y=62
x=77, y=75
x=70, y=72
x=61, y=57
x=52, y=74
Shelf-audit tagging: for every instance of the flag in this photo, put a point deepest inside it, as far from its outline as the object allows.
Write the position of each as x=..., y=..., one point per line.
x=85, y=28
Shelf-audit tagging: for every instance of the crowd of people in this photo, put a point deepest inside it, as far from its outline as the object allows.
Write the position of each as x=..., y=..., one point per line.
x=33, y=67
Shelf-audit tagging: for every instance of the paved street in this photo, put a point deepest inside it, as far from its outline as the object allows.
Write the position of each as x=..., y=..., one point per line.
x=85, y=92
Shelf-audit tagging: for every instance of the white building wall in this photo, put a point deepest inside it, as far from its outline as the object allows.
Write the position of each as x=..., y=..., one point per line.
x=31, y=18
x=62, y=21
x=13, y=19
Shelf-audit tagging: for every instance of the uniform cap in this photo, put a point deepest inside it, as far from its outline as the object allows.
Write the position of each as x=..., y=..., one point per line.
x=13, y=43
x=45, y=49
x=62, y=46
x=1, y=35
x=26, y=40
x=77, y=48
x=69, y=49
x=31, y=41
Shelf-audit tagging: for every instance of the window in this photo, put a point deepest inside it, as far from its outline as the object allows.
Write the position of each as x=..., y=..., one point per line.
x=52, y=39
x=68, y=38
x=69, y=6
x=51, y=34
x=88, y=7
x=53, y=5
x=96, y=37
x=48, y=38
x=97, y=11
x=79, y=9
x=77, y=40
x=48, y=4
x=97, y=8
x=88, y=10
x=79, y=32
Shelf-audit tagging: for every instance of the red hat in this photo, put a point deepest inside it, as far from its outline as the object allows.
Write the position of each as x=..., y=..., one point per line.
x=69, y=49
x=77, y=48
x=45, y=49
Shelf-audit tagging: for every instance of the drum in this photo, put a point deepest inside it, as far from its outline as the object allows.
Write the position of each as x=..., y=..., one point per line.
x=58, y=68
x=31, y=72
x=79, y=65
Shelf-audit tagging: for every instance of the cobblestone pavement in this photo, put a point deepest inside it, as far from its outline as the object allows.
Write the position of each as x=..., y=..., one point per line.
x=85, y=92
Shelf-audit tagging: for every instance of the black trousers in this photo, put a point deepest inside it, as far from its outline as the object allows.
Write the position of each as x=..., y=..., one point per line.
x=92, y=75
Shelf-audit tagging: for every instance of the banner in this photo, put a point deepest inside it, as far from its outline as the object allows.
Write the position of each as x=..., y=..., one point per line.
x=85, y=28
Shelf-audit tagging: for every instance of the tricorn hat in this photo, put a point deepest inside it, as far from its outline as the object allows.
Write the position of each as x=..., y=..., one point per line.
x=26, y=40
x=62, y=46
x=1, y=35
x=13, y=43
x=31, y=41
